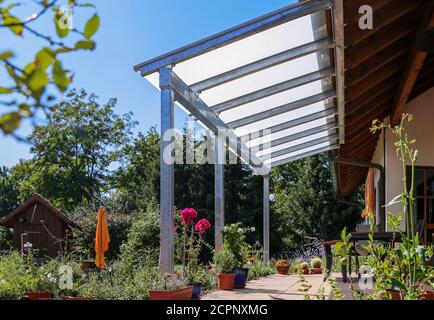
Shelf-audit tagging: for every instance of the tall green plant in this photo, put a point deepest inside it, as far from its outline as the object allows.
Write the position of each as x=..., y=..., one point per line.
x=405, y=268
x=235, y=242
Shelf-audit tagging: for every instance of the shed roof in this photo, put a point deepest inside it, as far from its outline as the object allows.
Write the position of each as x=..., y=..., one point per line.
x=35, y=199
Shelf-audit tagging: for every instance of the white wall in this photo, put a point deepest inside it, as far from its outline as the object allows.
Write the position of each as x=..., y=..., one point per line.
x=421, y=129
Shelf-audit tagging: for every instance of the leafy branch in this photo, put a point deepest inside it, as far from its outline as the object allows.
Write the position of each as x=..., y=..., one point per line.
x=27, y=85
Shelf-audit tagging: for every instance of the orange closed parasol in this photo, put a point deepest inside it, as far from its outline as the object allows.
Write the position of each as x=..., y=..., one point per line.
x=369, y=194
x=102, y=238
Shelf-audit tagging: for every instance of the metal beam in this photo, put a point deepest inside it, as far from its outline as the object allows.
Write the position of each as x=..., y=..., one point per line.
x=331, y=127
x=328, y=112
x=266, y=226
x=274, y=89
x=338, y=27
x=197, y=107
x=304, y=145
x=263, y=64
x=231, y=35
x=219, y=191
x=282, y=109
x=303, y=155
x=167, y=197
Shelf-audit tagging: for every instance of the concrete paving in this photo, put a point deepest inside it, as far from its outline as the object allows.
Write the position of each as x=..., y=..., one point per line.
x=282, y=287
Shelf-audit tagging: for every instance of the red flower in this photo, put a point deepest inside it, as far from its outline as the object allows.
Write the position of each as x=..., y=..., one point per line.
x=188, y=215
x=202, y=225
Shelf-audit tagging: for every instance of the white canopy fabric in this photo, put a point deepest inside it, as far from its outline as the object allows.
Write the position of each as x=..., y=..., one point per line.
x=278, y=79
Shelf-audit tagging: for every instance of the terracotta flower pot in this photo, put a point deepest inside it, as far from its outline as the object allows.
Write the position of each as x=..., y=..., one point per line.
x=304, y=271
x=315, y=271
x=77, y=298
x=38, y=295
x=178, y=294
x=282, y=270
x=226, y=281
x=427, y=296
x=395, y=295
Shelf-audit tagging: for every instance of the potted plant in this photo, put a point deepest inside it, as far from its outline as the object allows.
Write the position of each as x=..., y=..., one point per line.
x=235, y=242
x=403, y=272
x=301, y=267
x=192, y=239
x=304, y=267
x=316, y=266
x=282, y=266
x=224, y=264
x=171, y=287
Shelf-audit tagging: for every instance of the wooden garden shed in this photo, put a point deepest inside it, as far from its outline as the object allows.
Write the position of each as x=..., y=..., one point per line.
x=39, y=223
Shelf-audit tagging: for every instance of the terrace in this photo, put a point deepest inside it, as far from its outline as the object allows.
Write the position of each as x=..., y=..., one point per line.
x=303, y=80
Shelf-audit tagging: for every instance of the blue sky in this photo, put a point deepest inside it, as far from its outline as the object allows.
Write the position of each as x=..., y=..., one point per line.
x=133, y=31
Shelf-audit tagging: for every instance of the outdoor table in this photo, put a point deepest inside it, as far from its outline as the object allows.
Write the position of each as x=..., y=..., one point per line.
x=383, y=236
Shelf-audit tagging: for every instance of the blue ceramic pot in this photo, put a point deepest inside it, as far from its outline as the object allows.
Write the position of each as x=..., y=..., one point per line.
x=197, y=288
x=241, y=276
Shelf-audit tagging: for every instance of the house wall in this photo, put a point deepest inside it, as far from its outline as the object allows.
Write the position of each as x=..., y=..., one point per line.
x=421, y=129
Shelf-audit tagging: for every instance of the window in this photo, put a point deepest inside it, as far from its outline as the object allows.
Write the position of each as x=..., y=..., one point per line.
x=424, y=206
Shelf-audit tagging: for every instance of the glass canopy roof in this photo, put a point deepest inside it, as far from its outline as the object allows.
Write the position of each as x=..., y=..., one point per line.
x=277, y=77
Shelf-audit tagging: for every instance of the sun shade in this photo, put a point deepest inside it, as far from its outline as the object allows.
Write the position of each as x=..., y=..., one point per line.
x=271, y=76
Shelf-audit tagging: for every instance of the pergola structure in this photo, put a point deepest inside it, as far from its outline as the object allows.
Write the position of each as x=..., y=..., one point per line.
x=279, y=76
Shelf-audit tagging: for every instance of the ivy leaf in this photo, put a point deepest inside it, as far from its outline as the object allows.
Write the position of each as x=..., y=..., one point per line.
x=91, y=27
x=38, y=80
x=85, y=45
x=14, y=25
x=9, y=122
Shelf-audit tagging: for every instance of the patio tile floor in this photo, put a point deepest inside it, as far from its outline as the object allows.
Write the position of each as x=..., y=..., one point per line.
x=281, y=287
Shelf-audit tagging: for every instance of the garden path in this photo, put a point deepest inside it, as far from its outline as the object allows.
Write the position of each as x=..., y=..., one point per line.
x=282, y=287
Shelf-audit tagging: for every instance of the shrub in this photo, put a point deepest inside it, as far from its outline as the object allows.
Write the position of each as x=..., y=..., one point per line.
x=6, y=240
x=225, y=261
x=235, y=242
x=17, y=275
x=129, y=278
x=260, y=269
x=119, y=226
x=145, y=232
x=55, y=272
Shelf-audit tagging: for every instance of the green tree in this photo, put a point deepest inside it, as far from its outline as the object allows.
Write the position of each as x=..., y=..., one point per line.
x=30, y=86
x=8, y=192
x=137, y=181
x=306, y=204
x=74, y=151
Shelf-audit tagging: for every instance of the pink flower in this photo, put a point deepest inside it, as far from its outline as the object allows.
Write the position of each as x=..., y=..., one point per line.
x=188, y=215
x=202, y=225
x=174, y=229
